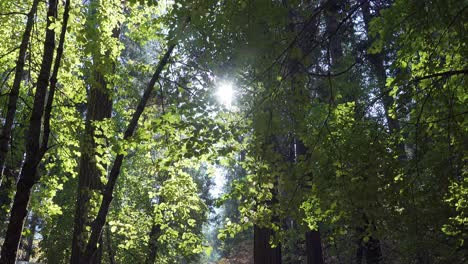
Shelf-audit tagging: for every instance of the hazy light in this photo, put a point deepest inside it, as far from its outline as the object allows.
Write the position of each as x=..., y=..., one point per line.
x=219, y=182
x=225, y=93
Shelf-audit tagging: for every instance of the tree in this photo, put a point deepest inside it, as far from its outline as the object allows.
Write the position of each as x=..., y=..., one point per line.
x=14, y=93
x=98, y=109
x=34, y=151
x=345, y=141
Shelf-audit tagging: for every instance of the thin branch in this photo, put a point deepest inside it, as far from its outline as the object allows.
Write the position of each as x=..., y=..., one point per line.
x=451, y=116
x=53, y=79
x=6, y=79
x=100, y=219
x=440, y=74
x=323, y=75
x=9, y=52
x=13, y=13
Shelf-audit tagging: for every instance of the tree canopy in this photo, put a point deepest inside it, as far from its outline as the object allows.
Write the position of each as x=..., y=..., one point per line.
x=235, y=131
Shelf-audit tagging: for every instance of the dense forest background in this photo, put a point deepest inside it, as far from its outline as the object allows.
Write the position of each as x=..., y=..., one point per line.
x=234, y=131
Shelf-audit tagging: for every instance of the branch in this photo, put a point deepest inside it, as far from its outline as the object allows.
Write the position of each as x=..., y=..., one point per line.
x=13, y=13
x=115, y=171
x=324, y=75
x=53, y=80
x=100, y=219
x=440, y=74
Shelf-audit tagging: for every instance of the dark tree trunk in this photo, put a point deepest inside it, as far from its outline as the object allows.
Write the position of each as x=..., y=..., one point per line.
x=359, y=252
x=110, y=251
x=372, y=251
x=263, y=252
x=368, y=246
x=98, y=258
x=153, y=243
x=5, y=136
x=53, y=78
x=154, y=235
x=314, y=247
x=313, y=238
x=8, y=184
x=99, y=108
x=33, y=151
x=334, y=50
x=100, y=220
x=332, y=12
x=17, y=216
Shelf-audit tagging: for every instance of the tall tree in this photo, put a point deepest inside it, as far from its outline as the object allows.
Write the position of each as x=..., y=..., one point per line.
x=264, y=252
x=34, y=153
x=40, y=117
x=99, y=108
x=15, y=89
x=100, y=220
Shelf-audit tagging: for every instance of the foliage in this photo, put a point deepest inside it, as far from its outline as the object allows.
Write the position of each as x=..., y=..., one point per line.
x=349, y=119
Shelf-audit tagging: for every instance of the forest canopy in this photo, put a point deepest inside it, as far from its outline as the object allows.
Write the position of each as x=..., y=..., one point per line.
x=233, y=131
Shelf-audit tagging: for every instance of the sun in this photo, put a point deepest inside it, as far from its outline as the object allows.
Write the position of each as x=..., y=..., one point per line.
x=225, y=93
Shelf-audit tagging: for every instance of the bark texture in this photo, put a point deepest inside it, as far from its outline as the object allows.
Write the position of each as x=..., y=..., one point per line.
x=110, y=250
x=7, y=187
x=28, y=175
x=153, y=243
x=314, y=247
x=263, y=252
x=99, y=108
x=332, y=13
x=100, y=220
x=5, y=135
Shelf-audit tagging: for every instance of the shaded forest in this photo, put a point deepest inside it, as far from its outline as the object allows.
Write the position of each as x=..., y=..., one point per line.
x=233, y=131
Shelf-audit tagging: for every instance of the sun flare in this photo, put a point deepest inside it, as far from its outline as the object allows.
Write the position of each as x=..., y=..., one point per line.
x=225, y=93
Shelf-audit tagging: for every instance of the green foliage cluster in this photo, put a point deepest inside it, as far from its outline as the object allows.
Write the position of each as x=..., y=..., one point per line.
x=358, y=179
x=349, y=120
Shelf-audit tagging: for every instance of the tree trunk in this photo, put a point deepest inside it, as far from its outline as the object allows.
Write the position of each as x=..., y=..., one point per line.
x=377, y=61
x=99, y=108
x=6, y=188
x=153, y=243
x=33, y=152
x=154, y=235
x=332, y=9
x=368, y=246
x=359, y=252
x=335, y=51
x=100, y=220
x=110, y=251
x=312, y=237
x=15, y=89
x=372, y=251
x=53, y=78
x=306, y=44
x=314, y=247
x=263, y=252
